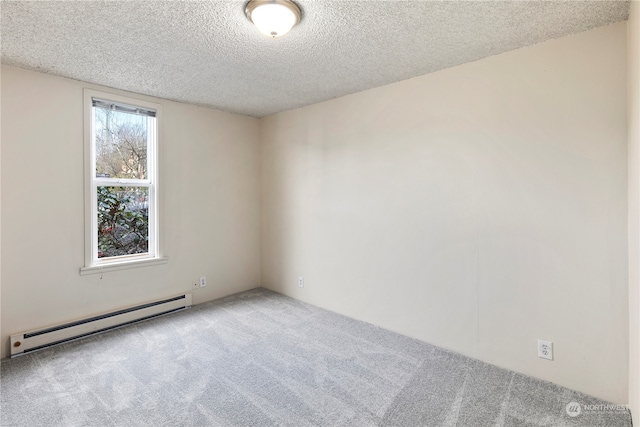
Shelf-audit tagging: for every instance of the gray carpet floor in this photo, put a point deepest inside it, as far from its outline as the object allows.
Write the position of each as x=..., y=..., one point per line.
x=262, y=359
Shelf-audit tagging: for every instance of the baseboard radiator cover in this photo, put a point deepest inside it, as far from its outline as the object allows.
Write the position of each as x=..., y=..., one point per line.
x=28, y=342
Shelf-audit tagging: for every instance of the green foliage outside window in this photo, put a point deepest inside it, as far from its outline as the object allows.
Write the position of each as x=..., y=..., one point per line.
x=123, y=221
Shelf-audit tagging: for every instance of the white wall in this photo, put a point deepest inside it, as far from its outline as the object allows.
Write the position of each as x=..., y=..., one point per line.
x=633, y=123
x=0, y=212
x=210, y=178
x=478, y=208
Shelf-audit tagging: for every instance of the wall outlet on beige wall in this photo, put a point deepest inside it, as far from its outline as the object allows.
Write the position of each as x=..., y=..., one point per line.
x=545, y=349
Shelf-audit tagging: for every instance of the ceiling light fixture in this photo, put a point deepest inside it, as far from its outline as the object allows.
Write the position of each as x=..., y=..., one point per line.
x=273, y=18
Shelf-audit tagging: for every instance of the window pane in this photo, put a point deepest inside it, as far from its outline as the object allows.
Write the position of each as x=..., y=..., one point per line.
x=123, y=221
x=121, y=144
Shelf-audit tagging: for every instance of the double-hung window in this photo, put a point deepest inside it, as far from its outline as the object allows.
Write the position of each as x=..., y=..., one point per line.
x=121, y=183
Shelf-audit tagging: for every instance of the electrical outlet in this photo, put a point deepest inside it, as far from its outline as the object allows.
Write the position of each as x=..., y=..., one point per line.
x=301, y=282
x=203, y=281
x=545, y=349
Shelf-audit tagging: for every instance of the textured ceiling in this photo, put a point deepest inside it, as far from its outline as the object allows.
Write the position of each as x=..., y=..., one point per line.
x=208, y=53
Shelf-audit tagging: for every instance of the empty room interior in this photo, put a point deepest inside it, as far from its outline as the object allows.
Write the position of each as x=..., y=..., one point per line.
x=399, y=213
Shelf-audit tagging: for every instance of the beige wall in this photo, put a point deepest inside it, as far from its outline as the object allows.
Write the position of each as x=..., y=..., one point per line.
x=211, y=197
x=633, y=117
x=478, y=208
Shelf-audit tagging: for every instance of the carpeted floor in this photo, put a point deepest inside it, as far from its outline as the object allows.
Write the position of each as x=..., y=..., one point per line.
x=262, y=359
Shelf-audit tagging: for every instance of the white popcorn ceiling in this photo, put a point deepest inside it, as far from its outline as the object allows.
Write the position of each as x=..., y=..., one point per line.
x=208, y=53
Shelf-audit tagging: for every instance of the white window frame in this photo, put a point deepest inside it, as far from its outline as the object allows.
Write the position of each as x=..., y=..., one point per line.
x=93, y=264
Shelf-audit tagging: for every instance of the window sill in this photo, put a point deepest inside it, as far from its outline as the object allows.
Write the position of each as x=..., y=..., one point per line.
x=123, y=265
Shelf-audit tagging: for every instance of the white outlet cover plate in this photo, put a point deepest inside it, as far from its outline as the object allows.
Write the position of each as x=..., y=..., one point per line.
x=301, y=282
x=545, y=349
x=203, y=281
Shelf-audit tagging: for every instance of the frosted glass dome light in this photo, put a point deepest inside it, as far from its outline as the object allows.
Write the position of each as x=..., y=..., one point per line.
x=273, y=18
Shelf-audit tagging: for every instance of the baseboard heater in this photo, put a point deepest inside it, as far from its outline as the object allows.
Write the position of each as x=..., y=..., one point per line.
x=29, y=342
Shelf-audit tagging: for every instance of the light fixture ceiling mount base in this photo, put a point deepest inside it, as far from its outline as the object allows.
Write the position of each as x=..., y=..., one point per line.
x=273, y=18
